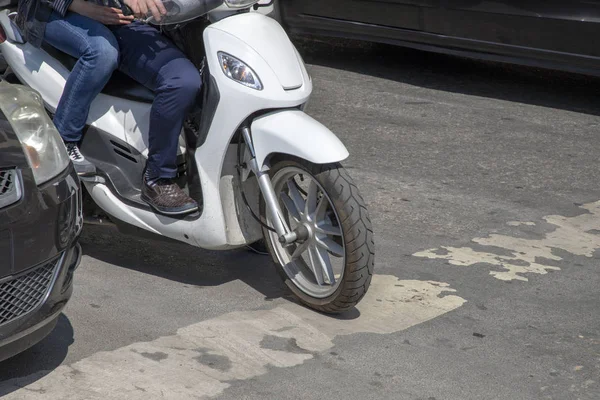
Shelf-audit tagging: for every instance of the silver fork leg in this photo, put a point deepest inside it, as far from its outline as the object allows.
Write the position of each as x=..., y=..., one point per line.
x=266, y=188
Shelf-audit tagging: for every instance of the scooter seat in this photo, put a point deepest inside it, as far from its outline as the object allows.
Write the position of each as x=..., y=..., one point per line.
x=120, y=85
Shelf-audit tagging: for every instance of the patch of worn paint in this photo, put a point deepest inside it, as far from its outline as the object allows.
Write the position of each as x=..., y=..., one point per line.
x=575, y=235
x=235, y=346
x=520, y=223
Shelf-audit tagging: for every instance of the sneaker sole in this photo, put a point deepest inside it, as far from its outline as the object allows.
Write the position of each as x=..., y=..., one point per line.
x=166, y=212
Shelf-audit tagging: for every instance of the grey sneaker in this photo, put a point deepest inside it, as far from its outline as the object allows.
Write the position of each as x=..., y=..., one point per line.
x=82, y=166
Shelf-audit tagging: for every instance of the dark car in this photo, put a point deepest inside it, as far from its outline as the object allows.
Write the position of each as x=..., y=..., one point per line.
x=555, y=34
x=40, y=221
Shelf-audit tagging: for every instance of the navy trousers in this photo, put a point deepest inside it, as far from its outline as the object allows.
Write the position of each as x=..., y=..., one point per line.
x=139, y=51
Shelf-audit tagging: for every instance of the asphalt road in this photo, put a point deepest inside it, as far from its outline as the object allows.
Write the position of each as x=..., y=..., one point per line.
x=483, y=183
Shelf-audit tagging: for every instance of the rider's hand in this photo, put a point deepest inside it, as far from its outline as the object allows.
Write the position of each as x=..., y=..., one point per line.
x=140, y=8
x=104, y=15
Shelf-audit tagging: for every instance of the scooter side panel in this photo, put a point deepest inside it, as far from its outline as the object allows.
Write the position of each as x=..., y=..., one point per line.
x=125, y=119
x=38, y=70
x=236, y=103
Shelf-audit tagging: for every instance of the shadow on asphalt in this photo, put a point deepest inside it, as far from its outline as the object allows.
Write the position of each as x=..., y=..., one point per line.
x=181, y=262
x=36, y=362
x=190, y=265
x=536, y=86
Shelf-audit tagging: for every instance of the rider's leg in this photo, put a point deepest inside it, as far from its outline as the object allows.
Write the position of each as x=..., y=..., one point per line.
x=97, y=51
x=151, y=59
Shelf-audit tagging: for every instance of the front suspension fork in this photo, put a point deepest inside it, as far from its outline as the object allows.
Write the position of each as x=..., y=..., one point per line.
x=286, y=235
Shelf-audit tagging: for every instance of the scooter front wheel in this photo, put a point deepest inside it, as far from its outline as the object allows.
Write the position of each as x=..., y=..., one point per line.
x=330, y=267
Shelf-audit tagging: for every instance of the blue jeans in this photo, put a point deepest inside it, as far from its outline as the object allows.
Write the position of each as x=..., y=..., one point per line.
x=139, y=51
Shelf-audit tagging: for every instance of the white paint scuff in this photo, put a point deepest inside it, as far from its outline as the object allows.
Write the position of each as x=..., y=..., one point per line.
x=520, y=223
x=200, y=359
x=576, y=235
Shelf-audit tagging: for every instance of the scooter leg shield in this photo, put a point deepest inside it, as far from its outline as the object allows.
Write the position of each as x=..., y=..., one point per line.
x=295, y=133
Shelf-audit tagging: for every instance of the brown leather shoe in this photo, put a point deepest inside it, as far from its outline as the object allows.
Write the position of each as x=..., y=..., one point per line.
x=166, y=197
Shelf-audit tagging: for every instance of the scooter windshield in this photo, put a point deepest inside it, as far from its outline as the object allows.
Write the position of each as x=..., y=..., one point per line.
x=179, y=11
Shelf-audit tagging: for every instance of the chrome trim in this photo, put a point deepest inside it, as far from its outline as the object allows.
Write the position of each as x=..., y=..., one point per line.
x=77, y=198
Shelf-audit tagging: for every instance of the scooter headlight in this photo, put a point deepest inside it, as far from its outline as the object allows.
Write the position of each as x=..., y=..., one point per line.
x=239, y=71
x=41, y=142
x=240, y=3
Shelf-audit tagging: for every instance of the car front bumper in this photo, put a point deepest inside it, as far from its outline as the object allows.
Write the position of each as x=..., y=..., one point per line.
x=36, y=291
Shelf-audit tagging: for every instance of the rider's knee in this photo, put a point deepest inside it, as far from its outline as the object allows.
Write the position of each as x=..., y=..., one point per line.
x=103, y=53
x=188, y=82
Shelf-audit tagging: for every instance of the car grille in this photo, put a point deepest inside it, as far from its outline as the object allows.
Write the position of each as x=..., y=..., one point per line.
x=24, y=293
x=10, y=187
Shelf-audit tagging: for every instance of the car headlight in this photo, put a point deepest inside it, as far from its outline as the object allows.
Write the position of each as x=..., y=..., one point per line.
x=41, y=142
x=239, y=71
x=240, y=3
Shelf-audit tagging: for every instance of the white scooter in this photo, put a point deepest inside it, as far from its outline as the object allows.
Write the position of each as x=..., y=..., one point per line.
x=257, y=164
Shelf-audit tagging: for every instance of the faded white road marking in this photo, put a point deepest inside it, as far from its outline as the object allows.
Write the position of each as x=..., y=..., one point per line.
x=200, y=359
x=519, y=223
x=577, y=235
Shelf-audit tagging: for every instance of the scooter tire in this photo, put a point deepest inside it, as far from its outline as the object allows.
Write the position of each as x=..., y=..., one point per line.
x=357, y=235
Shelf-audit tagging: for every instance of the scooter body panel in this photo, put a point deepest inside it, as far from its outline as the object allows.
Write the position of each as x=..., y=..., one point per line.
x=43, y=73
x=286, y=85
x=268, y=39
x=125, y=119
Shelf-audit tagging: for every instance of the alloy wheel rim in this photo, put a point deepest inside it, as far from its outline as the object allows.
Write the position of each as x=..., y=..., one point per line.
x=316, y=263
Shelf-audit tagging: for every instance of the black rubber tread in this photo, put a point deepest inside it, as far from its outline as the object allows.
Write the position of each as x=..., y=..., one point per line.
x=356, y=227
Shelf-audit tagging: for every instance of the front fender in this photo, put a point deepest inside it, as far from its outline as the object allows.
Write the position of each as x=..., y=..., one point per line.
x=295, y=133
